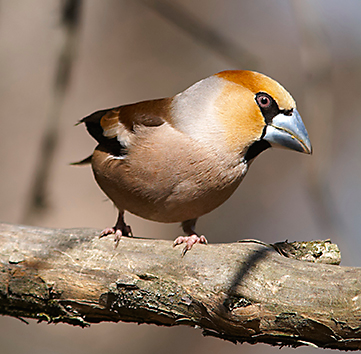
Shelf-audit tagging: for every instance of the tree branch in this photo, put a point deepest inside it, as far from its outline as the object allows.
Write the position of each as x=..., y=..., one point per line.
x=242, y=292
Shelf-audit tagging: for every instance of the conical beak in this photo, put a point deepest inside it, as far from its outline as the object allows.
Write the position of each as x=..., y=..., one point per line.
x=288, y=131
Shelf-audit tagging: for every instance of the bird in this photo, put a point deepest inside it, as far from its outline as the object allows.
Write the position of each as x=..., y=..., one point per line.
x=175, y=159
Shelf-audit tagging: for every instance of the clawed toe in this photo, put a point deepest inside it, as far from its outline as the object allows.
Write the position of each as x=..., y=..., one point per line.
x=117, y=236
x=107, y=231
x=119, y=230
x=118, y=233
x=189, y=242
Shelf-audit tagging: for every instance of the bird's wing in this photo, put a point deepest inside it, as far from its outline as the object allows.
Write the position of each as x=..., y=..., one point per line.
x=113, y=128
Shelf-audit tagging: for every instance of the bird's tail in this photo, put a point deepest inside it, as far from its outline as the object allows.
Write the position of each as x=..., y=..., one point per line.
x=85, y=161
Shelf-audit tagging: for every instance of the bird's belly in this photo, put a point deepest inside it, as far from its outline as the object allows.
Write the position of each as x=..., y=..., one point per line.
x=160, y=186
x=154, y=201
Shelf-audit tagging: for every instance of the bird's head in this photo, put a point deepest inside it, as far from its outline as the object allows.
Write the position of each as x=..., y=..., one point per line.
x=257, y=113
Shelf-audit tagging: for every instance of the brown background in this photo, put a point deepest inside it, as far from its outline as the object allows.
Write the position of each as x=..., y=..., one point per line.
x=127, y=52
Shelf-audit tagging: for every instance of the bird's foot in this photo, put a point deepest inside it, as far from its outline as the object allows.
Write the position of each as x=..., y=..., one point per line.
x=125, y=230
x=189, y=242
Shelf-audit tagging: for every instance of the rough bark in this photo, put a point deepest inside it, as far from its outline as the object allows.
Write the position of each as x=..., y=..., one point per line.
x=242, y=292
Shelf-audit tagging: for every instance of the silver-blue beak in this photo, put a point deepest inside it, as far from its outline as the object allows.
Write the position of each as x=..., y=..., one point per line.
x=288, y=131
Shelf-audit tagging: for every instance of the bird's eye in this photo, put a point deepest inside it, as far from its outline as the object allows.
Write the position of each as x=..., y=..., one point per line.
x=267, y=105
x=263, y=101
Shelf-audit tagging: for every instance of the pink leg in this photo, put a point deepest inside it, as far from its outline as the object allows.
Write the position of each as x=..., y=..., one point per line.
x=192, y=238
x=120, y=229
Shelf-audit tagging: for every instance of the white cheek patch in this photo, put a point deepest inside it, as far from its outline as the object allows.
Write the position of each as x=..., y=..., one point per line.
x=196, y=114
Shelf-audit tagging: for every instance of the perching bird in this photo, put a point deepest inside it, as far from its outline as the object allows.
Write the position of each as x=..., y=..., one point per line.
x=176, y=159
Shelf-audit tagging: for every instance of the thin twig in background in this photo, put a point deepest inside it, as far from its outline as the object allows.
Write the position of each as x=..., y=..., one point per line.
x=38, y=201
x=202, y=33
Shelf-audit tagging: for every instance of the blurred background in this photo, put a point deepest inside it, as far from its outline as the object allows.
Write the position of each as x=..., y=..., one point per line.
x=62, y=60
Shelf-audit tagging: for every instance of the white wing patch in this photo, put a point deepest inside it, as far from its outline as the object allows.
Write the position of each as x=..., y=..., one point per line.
x=112, y=127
